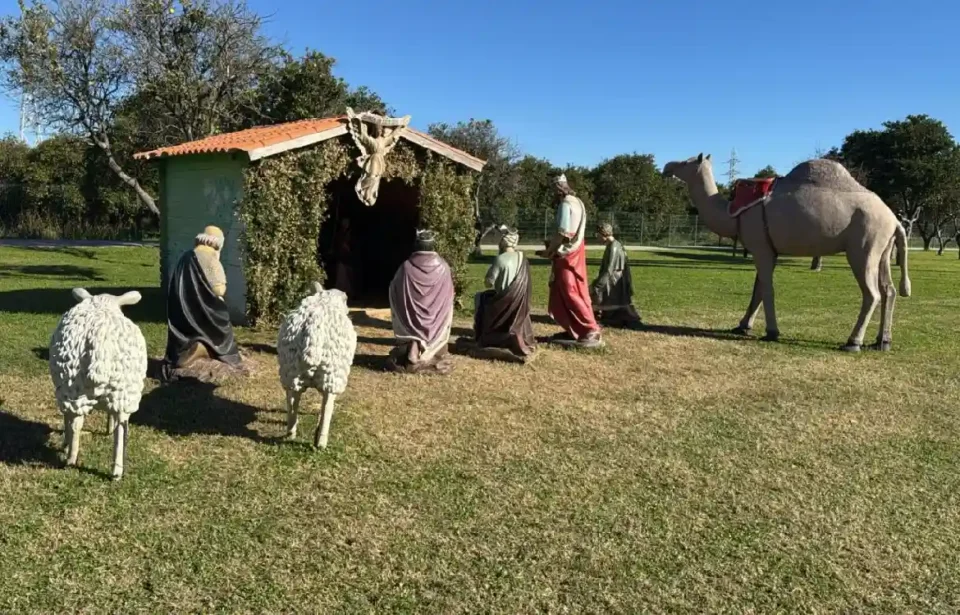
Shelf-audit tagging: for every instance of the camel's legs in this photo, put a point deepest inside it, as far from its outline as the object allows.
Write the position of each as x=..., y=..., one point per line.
x=765, y=264
x=746, y=323
x=293, y=417
x=120, y=435
x=865, y=266
x=888, y=298
x=111, y=423
x=72, y=426
x=323, y=425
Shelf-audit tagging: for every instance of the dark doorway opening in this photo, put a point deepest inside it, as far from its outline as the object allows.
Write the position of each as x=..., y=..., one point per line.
x=374, y=242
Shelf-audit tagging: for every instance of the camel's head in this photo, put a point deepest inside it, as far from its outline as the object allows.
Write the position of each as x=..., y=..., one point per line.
x=687, y=170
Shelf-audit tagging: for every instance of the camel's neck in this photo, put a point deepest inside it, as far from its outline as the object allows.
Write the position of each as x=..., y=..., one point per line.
x=711, y=206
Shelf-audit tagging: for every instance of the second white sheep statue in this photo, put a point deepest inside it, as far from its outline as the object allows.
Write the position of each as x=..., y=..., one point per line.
x=98, y=359
x=315, y=347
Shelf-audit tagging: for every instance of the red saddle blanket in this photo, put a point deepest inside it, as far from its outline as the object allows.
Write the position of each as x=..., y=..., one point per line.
x=749, y=192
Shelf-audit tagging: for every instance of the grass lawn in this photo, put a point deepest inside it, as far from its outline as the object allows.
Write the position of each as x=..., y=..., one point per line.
x=677, y=470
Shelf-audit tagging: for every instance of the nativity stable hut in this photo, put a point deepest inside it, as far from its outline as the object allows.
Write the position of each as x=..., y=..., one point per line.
x=280, y=194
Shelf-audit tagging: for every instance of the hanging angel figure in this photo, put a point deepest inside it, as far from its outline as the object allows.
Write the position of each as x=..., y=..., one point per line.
x=373, y=148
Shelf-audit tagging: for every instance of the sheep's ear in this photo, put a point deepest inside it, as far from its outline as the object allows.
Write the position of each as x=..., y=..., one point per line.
x=81, y=294
x=317, y=287
x=130, y=298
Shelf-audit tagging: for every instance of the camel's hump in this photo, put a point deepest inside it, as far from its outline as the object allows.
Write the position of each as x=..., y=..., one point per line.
x=820, y=173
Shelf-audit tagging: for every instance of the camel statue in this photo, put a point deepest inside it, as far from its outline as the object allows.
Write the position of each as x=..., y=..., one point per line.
x=817, y=209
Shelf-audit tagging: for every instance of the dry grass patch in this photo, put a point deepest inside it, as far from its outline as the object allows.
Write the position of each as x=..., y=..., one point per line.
x=675, y=471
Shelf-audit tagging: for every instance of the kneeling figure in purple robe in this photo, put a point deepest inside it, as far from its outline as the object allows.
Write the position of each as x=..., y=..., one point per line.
x=421, y=303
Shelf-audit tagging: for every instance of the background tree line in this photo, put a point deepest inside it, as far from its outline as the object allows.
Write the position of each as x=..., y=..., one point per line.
x=111, y=77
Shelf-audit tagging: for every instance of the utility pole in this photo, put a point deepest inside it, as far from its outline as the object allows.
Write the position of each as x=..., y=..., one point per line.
x=28, y=120
x=732, y=171
x=23, y=106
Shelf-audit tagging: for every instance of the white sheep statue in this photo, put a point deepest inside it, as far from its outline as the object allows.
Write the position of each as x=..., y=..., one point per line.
x=98, y=359
x=315, y=346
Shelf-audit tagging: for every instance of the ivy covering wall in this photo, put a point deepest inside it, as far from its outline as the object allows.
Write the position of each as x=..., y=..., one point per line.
x=286, y=200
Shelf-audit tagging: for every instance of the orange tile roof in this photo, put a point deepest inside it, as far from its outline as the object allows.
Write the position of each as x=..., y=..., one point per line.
x=246, y=140
x=254, y=139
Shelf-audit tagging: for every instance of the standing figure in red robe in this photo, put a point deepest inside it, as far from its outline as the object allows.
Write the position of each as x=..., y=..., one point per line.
x=570, y=305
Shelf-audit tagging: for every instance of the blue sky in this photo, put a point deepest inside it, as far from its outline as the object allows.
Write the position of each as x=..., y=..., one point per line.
x=577, y=82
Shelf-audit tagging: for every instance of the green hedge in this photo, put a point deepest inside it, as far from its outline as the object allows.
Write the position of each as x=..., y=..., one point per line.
x=281, y=210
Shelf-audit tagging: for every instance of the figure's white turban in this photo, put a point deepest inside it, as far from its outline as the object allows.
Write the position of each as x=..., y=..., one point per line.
x=510, y=236
x=211, y=237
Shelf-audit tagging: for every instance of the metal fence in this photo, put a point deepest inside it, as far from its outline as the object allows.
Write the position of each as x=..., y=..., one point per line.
x=640, y=231
x=632, y=229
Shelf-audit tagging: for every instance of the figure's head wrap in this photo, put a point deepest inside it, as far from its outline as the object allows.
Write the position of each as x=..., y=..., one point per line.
x=509, y=237
x=426, y=240
x=211, y=237
x=605, y=229
x=560, y=183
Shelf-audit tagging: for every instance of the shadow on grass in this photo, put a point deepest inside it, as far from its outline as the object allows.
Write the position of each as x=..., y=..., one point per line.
x=259, y=347
x=86, y=253
x=152, y=307
x=682, y=331
x=681, y=265
x=376, y=341
x=371, y=362
x=72, y=272
x=25, y=442
x=729, y=335
x=186, y=408
x=702, y=257
x=361, y=319
x=542, y=319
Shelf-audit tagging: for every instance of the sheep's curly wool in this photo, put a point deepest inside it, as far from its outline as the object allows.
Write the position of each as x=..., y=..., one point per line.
x=97, y=357
x=316, y=344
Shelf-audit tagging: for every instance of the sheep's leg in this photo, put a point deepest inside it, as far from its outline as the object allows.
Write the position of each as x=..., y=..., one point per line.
x=323, y=425
x=73, y=425
x=293, y=410
x=111, y=423
x=67, y=428
x=120, y=435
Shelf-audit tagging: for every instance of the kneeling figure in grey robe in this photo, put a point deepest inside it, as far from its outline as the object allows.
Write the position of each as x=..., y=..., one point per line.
x=612, y=291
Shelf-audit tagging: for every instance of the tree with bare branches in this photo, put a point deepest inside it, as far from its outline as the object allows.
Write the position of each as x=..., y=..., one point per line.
x=74, y=65
x=198, y=63
x=167, y=70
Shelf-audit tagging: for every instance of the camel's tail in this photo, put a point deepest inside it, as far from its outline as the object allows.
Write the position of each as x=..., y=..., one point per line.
x=901, y=239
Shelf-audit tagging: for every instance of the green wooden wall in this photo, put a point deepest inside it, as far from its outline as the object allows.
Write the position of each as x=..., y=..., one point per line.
x=197, y=191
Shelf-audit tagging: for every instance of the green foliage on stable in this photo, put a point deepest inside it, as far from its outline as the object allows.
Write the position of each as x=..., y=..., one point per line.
x=286, y=200
x=446, y=207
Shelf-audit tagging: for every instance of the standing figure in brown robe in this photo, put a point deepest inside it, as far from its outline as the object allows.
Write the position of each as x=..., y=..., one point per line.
x=502, y=316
